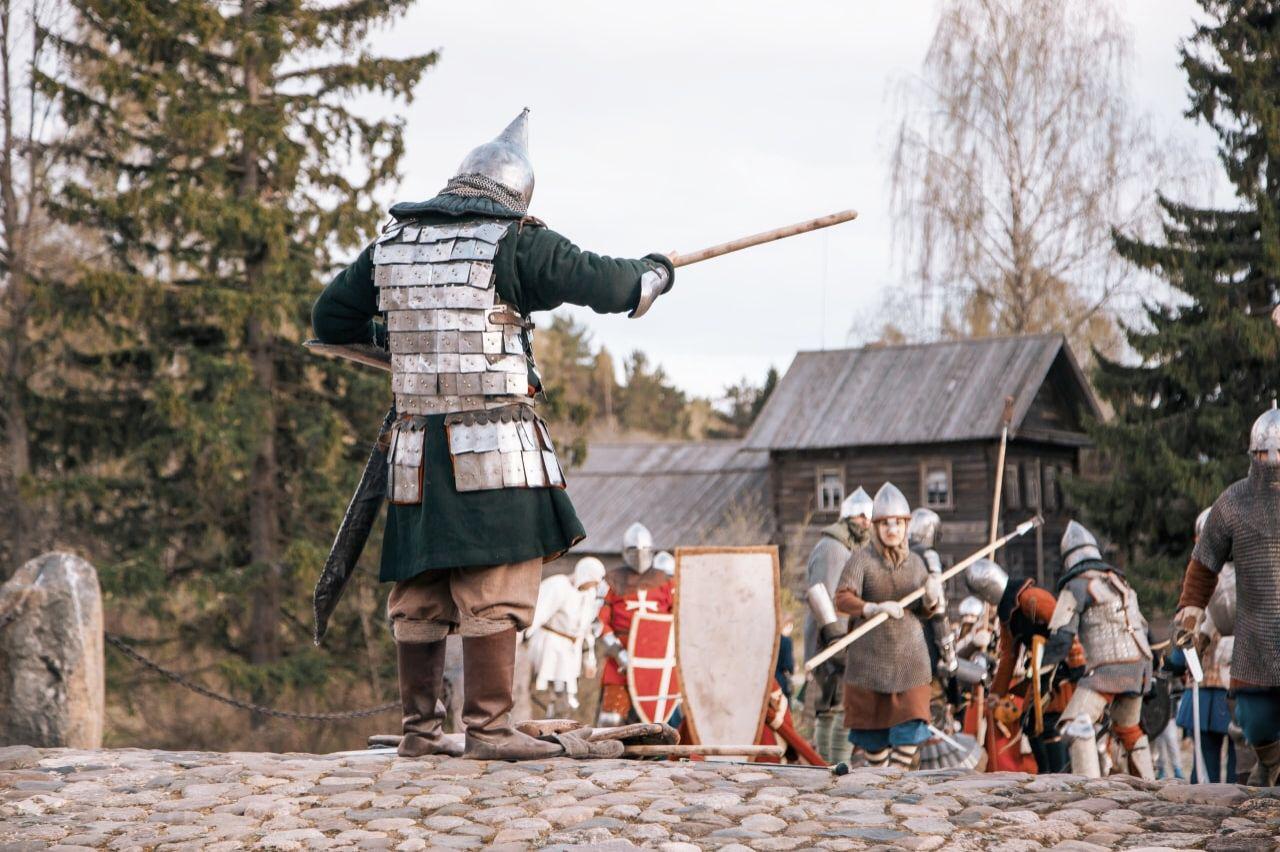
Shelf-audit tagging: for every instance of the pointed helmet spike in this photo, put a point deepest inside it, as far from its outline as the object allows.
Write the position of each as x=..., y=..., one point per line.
x=505, y=159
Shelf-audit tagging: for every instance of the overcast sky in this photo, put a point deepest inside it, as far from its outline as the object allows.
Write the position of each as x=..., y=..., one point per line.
x=664, y=126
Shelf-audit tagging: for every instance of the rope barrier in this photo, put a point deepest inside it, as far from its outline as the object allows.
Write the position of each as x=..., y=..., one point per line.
x=182, y=680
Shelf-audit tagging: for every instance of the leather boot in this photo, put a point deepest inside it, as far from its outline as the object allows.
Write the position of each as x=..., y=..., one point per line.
x=1267, y=771
x=488, y=674
x=421, y=670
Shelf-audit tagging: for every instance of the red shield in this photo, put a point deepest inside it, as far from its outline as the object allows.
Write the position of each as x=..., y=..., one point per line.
x=652, y=679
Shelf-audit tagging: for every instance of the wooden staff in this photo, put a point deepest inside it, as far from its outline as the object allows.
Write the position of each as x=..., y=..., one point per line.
x=881, y=617
x=678, y=259
x=1004, y=443
x=707, y=750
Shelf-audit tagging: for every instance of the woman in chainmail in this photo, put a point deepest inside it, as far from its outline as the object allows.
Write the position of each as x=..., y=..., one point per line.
x=887, y=672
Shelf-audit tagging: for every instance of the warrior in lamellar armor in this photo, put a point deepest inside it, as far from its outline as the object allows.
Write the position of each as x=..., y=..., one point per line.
x=823, y=625
x=1097, y=606
x=887, y=671
x=1243, y=527
x=476, y=491
x=560, y=636
x=637, y=586
x=1024, y=611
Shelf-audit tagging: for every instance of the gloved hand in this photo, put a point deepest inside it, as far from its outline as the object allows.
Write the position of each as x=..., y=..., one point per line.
x=655, y=281
x=935, y=597
x=1185, y=632
x=981, y=638
x=624, y=660
x=831, y=632
x=893, y=609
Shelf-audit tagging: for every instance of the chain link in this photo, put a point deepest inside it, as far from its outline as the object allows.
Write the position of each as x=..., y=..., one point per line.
x=180, y=679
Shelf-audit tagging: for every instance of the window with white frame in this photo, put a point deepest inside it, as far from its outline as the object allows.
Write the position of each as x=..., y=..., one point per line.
x=935, y=484
x=830, y=489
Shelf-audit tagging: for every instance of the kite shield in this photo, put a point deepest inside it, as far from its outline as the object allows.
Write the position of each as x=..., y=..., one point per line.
x=652, y=678
x=728, y=618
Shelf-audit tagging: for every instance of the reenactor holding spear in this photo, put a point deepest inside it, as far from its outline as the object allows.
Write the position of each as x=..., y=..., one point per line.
x=476, y=490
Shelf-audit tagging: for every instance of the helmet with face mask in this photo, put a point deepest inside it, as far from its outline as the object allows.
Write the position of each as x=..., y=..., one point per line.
x=637, y=548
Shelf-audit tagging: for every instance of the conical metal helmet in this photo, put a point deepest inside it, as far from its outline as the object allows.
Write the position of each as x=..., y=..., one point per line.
x=505, y=159
x=637, y=548
x=1078, y=544
x=1264, y=437
x=1200, y=519
x=857, y=503
x=890, y=503
x=924, y=526
x=987, y=580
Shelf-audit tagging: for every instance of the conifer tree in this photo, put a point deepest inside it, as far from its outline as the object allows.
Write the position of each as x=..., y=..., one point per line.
x=223, y=160
x=1209, y=361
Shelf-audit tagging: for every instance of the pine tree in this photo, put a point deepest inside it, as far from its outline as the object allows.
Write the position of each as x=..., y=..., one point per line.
x=223, y=162
x=1209, y=362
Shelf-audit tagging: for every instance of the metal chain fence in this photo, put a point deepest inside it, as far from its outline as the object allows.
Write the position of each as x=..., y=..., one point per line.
x=182, y=680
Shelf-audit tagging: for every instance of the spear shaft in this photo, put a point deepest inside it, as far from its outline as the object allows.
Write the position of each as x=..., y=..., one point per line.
x=805, y=227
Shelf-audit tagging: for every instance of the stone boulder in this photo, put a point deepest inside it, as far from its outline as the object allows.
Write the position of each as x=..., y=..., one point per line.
x=51, y=667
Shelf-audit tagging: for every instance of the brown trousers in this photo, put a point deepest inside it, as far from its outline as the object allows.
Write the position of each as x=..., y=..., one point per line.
x=477, y=601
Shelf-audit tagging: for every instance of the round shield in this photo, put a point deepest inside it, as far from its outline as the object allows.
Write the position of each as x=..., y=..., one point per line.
x=1157, y=707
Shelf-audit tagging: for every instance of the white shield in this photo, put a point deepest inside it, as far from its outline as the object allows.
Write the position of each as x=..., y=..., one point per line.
x=728, y=618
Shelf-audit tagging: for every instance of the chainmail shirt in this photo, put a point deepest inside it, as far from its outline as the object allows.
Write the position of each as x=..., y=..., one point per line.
x=479, y=186
x=893, y=657
x=1244, y=527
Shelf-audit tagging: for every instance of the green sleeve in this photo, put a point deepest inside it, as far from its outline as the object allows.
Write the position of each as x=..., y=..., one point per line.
x=345, y=310
x=553, y=271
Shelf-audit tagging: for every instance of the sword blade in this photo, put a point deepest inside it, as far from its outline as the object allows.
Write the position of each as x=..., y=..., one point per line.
x=353, y=532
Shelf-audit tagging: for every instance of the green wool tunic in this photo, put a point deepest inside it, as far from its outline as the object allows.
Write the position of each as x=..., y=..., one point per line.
x=536, y=269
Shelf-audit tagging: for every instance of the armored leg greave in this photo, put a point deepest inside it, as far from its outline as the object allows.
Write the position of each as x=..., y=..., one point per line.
x=421, y=672
x=1084, y=757
x=488, y=664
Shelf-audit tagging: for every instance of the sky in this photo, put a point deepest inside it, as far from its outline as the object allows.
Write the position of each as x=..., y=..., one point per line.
x=671, y=126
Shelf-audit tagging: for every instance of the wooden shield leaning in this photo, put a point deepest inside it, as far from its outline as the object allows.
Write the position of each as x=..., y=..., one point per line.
x=728, y=618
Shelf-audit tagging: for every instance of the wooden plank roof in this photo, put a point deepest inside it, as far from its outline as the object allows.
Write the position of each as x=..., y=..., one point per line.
x=682, y=491
x=911, y=394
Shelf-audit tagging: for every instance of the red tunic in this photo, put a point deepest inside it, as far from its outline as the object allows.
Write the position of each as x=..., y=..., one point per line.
x=629, y=593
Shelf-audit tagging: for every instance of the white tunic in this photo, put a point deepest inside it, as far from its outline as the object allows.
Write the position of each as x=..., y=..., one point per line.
x=557, y=659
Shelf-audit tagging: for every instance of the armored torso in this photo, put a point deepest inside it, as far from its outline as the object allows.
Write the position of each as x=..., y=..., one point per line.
x=1244, y=526
x=1112, y=631
x=458, y=350
x=893, y=657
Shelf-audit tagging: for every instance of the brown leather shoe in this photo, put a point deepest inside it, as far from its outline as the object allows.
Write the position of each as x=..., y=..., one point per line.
x=488, y=677
x=421, y=669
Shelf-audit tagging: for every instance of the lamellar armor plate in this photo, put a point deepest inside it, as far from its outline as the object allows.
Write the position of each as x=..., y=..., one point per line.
x=458, y=350
x=1112, y=628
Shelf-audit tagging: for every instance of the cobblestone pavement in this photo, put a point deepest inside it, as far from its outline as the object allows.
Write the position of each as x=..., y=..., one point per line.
x=130, y=799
